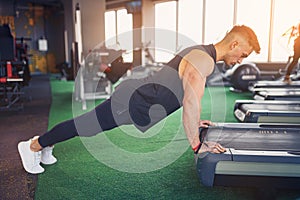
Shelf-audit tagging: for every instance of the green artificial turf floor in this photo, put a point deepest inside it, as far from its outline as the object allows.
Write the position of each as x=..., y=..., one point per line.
x=125, y=164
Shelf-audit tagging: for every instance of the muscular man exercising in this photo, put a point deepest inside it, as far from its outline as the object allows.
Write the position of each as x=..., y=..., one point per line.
x=180, y=83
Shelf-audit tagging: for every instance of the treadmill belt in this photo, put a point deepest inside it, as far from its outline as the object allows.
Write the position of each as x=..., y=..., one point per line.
x=260, y=138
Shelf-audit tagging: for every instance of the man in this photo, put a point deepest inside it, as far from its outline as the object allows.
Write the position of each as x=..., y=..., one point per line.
x=180, y=83
x=296, y=55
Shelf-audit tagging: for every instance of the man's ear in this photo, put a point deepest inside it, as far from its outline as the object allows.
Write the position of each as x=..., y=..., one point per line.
x=234, y=44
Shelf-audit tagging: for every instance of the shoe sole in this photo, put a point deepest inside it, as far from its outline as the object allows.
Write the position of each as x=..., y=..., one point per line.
x=48, y=163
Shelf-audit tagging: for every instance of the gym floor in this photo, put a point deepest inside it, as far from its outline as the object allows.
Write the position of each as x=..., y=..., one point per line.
x=79, y=175
x=15, y=183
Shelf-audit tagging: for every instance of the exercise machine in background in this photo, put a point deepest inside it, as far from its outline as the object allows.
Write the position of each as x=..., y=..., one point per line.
x=273, y=84
x=14, y=70
x=283, y=94
x=255, y=111
x=98, y=72
x=242, y=77
x=238, y=77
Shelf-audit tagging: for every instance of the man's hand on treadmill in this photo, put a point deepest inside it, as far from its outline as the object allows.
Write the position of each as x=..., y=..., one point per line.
x=212, y=147
x=205, y=123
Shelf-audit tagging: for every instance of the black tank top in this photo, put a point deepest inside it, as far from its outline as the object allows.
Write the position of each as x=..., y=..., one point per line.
x=209, y=49
x=162, y=93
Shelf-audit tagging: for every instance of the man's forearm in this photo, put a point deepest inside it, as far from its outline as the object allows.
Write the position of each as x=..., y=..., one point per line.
x=190, y=119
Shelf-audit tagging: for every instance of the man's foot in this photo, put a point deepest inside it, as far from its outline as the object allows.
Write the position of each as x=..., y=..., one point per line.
x=287, y=80
x=47, y=157
x=30, y=159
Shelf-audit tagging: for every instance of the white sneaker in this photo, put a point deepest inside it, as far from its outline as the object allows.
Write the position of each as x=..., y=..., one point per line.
x=47, y=157
x=30, y=160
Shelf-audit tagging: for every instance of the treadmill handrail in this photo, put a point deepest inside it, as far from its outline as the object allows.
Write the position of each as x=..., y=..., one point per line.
x=279, y=112
x=254, y=125
x=268, y=102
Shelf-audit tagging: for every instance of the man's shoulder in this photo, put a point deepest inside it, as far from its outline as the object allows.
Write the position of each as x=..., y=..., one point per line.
x=201, y=60
x=200, y=56
x=209, y=49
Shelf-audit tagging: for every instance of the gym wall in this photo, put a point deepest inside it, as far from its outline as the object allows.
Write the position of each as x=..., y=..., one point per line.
x=34, y=22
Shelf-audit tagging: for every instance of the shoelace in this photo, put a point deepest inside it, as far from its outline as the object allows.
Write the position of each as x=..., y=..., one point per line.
x=37, y=158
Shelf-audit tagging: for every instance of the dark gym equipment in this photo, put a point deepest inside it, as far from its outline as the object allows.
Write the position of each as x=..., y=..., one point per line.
x=258, y=155
x=116, y=65
x=23, y=56
x=243, y=75
x=13, y=74
x=100, y=70
x=252, y=111
x=7, y=47
x=11, y=83
x=239, y=76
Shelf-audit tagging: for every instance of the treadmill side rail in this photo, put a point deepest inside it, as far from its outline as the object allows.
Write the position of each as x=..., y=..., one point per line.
x=252, y=168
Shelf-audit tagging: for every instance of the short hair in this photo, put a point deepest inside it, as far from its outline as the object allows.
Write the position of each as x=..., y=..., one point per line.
x=247, y=33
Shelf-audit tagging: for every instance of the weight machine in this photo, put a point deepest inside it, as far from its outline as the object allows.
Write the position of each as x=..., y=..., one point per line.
x=13, y=73
x=97, y=73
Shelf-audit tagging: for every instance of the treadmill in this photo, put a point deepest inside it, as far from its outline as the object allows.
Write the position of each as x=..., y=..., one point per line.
x=278, y=89
x=269, y=111
x=258, y=155
x=286, y=94
x=274, y=84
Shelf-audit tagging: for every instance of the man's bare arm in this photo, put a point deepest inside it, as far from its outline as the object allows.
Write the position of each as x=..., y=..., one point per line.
x=193, y=85
x=193, y=69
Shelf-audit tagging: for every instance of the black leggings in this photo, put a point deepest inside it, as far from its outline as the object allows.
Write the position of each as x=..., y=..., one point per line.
x=130, y=103
x=89, y=124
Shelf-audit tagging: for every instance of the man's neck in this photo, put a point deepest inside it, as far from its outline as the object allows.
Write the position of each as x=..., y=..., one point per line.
x=220, y=51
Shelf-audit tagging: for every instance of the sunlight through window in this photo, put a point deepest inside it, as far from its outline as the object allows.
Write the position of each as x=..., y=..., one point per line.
x=219, y=19
x=165, y=35
x=110, y=28
x=286, y=15
x=189, y=23
x=257, y=16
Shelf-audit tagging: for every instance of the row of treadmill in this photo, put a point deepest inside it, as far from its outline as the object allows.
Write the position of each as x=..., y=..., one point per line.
x=263, y=149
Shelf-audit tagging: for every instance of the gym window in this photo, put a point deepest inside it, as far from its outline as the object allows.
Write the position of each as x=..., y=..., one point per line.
x=270, y=19
x=118, y=32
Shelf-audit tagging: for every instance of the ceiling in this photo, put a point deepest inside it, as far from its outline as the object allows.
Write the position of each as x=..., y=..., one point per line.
x=110, y=4
x=56, y=3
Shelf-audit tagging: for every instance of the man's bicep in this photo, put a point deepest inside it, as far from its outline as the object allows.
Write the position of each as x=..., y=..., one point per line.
x=194, y=82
